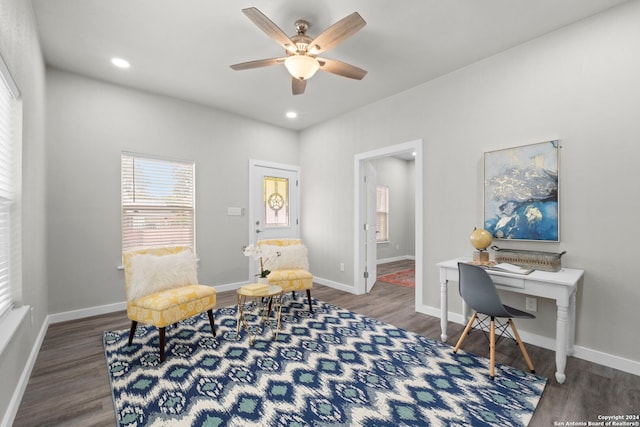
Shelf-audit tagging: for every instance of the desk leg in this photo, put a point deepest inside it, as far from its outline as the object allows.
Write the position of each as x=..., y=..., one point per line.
x=562, y=334
x=444, y=309
x=572, y=324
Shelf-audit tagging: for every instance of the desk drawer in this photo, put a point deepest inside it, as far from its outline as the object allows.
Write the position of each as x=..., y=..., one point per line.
x=511, y=282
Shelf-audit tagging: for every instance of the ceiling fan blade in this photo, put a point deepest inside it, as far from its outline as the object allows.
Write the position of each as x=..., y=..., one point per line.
x=257, y=64
x=341, y=68
x=298, y=86
x=269, y=28
x=336, y=33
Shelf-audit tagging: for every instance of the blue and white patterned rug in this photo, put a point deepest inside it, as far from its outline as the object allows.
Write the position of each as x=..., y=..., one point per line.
x=330, y=368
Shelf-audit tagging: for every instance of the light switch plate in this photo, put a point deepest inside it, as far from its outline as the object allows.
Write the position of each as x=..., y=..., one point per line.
x=234, y=211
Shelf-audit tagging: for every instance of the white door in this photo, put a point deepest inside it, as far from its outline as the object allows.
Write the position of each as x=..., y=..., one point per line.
x=274, y=203
x=371, y=253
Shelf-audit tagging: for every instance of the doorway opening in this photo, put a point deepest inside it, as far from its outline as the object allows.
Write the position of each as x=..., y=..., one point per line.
x=365, y=254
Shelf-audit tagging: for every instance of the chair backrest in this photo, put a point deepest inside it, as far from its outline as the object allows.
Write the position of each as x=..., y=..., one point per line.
x=183, y=270
x=284, y=254
x=478, y=290
x=279, y=242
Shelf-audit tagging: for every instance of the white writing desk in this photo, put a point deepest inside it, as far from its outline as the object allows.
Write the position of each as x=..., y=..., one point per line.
x=560, y=286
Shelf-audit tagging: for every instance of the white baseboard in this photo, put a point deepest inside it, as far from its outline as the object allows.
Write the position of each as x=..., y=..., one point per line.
x=590, y=355
x=18, y=393
x=230, y=286
x=396, y=258
x=606, y=359
x=86, y=312
x=335, y=285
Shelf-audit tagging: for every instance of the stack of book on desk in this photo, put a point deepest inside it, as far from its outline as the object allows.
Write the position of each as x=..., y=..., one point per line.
x=255, y=289
x=510, y=268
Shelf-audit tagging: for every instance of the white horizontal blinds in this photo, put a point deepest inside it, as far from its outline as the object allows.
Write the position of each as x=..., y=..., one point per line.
x=382, y=213
x=5, y=283
x=157, y=202
x=6, y=157
x=7, y=113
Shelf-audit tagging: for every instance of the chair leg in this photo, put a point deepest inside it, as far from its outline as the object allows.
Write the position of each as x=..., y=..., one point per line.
x=162, y=334
x=492, y=347
x=213, y=328
x=522, y=347
x=134, y=324
x=466, y=331
x=293, y=294
x=309, y=300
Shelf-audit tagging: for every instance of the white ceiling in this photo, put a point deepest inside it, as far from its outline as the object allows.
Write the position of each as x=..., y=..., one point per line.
x=183, y=48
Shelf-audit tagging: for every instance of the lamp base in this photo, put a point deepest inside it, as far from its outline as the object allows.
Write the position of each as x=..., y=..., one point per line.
x=481, y=256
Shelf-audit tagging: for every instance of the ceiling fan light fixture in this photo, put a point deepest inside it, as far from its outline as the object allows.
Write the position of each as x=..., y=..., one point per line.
x=301, y=67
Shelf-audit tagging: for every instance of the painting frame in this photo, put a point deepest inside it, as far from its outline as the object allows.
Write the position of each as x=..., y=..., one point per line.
x=521, y=192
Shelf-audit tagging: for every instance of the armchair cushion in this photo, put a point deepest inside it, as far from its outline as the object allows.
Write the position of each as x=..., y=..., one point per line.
x=153, y=273
x=170, y=306
x=291, y=280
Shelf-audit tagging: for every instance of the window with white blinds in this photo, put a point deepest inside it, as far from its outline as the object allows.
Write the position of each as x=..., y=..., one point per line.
x=10, y=149
x=382, y=213
x=158, y=206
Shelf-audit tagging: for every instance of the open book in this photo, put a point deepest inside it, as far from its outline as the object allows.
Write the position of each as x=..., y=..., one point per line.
x=510, y=268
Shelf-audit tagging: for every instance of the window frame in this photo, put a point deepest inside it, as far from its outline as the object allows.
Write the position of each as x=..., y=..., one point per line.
x=179, y=210
x=382, y=211
x=10, y=195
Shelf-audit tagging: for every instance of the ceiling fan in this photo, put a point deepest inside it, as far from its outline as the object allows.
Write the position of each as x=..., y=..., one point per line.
x=302, y=51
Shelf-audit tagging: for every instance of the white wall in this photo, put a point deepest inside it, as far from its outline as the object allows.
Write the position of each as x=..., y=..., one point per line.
x=578, y=85
x=397, y=175
x=90, y=124
x=21, y=50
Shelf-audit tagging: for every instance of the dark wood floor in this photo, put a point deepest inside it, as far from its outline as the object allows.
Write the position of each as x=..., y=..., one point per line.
x=69, y=384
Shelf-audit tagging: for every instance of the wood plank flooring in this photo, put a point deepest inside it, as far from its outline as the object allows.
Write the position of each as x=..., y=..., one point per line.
x=69, y=384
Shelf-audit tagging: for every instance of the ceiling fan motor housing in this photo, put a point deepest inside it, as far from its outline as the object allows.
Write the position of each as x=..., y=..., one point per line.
x=301, y=40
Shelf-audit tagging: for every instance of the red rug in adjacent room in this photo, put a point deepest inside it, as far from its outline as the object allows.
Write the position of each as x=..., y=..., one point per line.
x=402, y=278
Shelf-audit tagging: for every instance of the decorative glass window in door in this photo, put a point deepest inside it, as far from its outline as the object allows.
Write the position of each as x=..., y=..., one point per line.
x=276, y=201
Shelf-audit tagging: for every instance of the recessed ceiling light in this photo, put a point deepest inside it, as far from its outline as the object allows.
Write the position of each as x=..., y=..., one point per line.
x=292, y=114
x=413, y=154
x=120, y=63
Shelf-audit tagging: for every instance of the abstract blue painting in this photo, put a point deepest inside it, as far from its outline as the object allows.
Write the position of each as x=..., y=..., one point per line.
x=521, y=192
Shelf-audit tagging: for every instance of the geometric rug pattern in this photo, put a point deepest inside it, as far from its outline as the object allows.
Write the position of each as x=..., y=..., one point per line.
x=402, y=278
x=331, y=367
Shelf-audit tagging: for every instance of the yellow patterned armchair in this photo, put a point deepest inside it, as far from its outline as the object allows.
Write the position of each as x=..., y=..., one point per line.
x=287, y=260
x=162, y=289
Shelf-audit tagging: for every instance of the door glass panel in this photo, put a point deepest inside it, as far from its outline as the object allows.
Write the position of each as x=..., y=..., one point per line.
x=276, y=201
